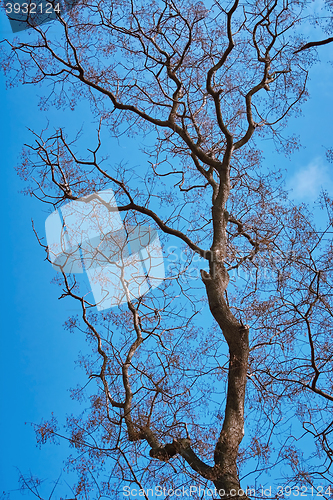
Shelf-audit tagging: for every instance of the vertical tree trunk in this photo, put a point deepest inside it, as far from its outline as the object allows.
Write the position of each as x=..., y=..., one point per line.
x=237, y=337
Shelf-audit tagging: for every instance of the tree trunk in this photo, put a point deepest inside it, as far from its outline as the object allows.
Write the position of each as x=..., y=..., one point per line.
x=237, y=337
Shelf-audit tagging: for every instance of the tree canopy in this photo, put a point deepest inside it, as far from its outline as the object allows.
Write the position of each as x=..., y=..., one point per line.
x=214, y=375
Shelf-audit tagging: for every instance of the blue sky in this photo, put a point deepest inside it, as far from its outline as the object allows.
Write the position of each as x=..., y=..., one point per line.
x=37, y=355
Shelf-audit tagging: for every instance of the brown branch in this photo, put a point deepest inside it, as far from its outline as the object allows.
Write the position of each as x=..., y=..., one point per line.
x=314, y=44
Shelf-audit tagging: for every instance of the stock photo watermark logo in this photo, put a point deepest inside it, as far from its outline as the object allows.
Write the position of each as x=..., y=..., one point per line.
x=25, y=14
x=88, y=236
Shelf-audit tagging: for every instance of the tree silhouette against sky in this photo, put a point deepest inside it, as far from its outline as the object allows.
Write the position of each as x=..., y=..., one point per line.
x=239, y=334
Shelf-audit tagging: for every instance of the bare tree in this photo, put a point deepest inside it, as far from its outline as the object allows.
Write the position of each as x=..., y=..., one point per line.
x=202, y=83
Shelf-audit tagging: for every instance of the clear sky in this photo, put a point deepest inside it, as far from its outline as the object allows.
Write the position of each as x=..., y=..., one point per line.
x=37, y=355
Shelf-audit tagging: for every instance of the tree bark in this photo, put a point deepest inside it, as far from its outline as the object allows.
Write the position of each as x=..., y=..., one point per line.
x=237, y=337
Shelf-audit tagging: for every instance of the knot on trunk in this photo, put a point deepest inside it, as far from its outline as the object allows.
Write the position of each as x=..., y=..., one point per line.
x=217, y=278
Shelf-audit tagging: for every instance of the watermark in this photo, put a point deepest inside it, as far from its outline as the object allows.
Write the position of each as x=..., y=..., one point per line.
x=25, y=14
x=183, y=492
x=88, y=236
x=266, y=266
x=199, y=492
